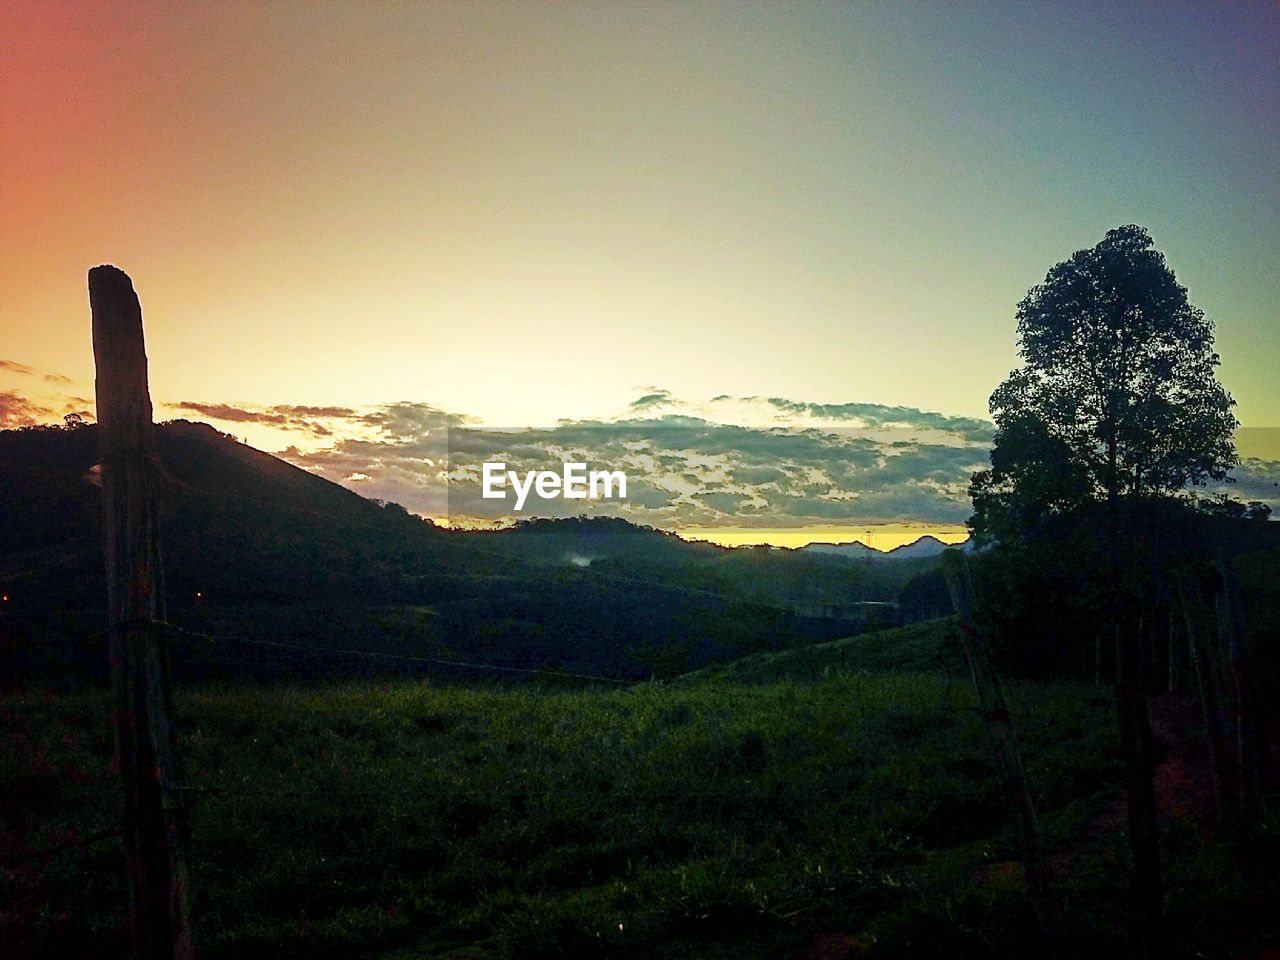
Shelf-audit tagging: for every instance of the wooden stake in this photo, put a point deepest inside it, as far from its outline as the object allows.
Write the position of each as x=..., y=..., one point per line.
x=1252, y=745
x=146, y=743
x=1145, y=905
x=998, y=721
x=1208, y=689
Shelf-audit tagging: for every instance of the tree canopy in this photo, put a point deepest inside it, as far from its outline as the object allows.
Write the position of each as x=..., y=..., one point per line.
x=1116, y=398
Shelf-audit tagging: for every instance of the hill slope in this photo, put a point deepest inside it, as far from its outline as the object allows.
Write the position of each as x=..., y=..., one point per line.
x=257, y=548
x=929, y=646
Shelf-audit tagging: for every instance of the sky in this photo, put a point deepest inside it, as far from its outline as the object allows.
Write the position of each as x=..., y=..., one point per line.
x=764, y=256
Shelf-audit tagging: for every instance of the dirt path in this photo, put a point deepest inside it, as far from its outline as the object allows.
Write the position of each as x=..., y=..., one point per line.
x=1183, y=778
x=1184, y=789
x=1184, y=767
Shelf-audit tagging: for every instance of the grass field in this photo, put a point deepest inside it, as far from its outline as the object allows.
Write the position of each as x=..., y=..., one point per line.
x=730, y=814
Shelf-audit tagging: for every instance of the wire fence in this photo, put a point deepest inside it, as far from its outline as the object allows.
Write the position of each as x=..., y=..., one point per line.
x=455, y=542
x=396, y=657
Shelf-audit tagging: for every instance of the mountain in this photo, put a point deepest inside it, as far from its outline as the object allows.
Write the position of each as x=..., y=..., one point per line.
x=274, y=570
x=857, y=550
x=925, y=547
x=233, y=520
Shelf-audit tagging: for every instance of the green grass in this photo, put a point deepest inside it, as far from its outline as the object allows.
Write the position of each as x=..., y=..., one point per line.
x=710, y=818
x=930, y=646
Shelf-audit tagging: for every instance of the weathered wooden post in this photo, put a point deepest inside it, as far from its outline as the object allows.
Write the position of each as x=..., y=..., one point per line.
x=998, y=720
x=146, y=742
x=1208, y=688
x=1253, y=749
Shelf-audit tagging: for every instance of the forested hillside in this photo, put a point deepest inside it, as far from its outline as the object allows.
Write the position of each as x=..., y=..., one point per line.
x=256, y=550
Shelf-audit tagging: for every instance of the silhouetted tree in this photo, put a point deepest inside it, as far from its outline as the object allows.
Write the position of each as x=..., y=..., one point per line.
x=1116, y=403
x=1116, y=398
x=1229, y=507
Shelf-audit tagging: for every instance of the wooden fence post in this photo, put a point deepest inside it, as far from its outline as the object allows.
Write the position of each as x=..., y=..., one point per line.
x=1253, y=749
x=1207, y=676
x=146, y=742
x=998, y=720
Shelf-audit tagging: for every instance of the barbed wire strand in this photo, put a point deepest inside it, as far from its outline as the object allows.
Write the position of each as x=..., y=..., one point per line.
x=325, y=651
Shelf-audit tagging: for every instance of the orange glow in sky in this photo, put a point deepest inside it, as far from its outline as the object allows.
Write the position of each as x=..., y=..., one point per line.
x=526, y=213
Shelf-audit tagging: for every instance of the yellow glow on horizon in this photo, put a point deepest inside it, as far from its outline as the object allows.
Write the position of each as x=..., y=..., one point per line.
x=880, y=536
x=469, y=523
x=883, y=536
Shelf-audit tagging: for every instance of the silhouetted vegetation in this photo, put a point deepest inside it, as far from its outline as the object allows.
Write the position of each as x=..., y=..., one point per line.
x=259, y=551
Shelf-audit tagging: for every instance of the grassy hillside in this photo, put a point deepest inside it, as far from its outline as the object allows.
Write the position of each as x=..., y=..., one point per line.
x=835, y=801
x=930, y=646
x=642, y=822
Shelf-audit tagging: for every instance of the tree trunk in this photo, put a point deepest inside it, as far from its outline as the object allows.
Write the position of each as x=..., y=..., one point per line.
x=1146, y=917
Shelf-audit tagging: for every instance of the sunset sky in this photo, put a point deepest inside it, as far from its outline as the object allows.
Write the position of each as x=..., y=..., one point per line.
x=770, y=253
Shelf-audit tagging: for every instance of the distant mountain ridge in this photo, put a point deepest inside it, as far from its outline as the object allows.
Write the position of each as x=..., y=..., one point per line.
x=926, y=546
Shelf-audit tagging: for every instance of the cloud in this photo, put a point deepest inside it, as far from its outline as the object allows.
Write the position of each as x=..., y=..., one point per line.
x=790, y=463
x=230, y=414
x=396, y=453
x=346, y=413
x=875, y=421
x=697, y=470
x=1254, y=479
x=285, y=417
x=17, y=411
x=869, y=463
x=879, y=415
x=81, y=405
x=406, y=420
x=57, y=378
x=652, y=401
x=759, y=475
x=18, y=368
x=726, y=503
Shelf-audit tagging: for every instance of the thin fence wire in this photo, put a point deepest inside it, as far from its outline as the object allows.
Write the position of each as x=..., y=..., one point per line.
x=456, y=544
x=336, y=651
